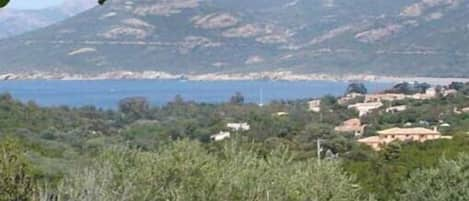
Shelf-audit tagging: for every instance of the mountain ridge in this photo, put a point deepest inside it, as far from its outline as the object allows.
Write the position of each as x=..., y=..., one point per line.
x=403, y=37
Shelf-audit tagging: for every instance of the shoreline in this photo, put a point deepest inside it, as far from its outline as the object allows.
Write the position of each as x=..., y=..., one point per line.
x=273, y=76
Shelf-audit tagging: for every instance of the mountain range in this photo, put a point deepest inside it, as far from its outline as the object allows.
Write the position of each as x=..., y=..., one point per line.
x=398, y=37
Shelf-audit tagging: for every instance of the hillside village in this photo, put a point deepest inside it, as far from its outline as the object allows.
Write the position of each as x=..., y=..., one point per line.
x=376, y=104
x=386, y=102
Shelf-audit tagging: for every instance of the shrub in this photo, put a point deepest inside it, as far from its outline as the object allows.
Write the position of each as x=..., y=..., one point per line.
x=186, y=171
x=447, y=182
x=16, y=182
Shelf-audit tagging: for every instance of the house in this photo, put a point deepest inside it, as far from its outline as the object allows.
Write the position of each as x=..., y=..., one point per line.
x=465, y=110
x=314, y=105
x=373, y=141
x=351, y=126
x=449, y=92
x=238, y=126
x=402, y=134
x=220, y=136
x=364, y=108
x=430, y=93
x=408, y=124
x=349, y=97
x=445, y=125
x=384, y=97
x=395, y=109
x=281, y=114
x=424, y=123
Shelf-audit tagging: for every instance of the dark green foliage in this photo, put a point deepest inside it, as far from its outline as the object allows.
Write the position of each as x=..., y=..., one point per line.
x=384, y=173
x=456, y=85
x=356, y=88
x=409, y=88
x=3, y=3
x=237, y=99
x=449, y=181
x=134, y=107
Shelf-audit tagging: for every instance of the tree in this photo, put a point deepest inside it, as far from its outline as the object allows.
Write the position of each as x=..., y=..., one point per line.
x=408, y=88
x=3, y=3
x=136, y=107
x=356, y=88
x=177, y=100
x=456, y=85
x=237, y=99
x=447, y=182
x=185, y=170
x=421, y=87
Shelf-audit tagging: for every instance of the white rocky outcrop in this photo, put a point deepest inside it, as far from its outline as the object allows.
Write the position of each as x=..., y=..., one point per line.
x=378, y=34
x=254, y=60
x=215, y=21
x=81, y=51
x=124, y=31
x=244, y=31
x=166, y=7
x=191, y=42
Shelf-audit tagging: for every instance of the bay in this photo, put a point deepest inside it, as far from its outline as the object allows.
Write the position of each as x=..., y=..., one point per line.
x=107, y=93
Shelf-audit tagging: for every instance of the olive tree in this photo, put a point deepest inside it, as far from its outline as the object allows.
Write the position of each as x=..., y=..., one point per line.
x=447, y=182
x=185, y=170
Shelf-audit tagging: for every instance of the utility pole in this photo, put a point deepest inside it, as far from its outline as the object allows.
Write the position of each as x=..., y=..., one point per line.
x=319, y=150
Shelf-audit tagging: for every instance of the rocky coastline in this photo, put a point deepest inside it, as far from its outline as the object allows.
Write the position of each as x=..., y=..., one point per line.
x=275, y=75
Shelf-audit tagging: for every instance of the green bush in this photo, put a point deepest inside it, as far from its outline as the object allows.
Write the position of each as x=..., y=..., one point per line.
x=447, y=182
x=186, y=171
x=16, y=182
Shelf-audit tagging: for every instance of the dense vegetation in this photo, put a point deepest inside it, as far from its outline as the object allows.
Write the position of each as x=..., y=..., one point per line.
x=139, y=152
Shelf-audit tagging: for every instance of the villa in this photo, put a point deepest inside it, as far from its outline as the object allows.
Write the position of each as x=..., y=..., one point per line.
x=220, y=136
x=465, y=110
x=349, y=97
x=449, y=92
x=351, y=126
x=281, y=114
x=402, y=134
x=239, y=126
x=395, y=109
x=384, y=97
x=364, y=108
x=430, y=93
x=314, y=105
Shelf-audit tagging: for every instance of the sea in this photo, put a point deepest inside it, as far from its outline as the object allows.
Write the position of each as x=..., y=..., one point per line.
x=107, y=93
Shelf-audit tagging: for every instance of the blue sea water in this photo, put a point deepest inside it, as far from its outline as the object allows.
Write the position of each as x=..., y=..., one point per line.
x=107, y=93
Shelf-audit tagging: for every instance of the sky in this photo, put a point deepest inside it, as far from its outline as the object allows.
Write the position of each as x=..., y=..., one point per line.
x=34, y=4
